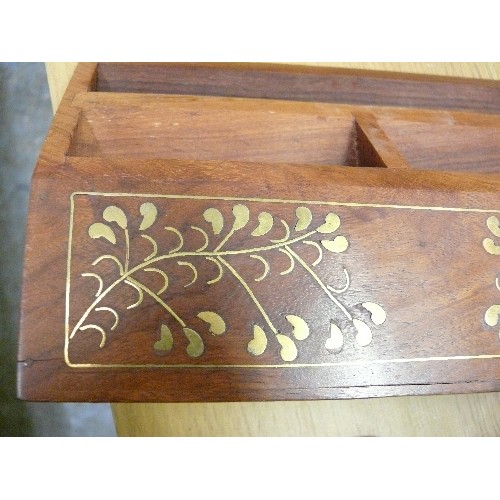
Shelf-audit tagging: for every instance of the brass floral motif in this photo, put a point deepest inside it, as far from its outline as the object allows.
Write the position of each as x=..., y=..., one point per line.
x=294, y=233
x=147, y=263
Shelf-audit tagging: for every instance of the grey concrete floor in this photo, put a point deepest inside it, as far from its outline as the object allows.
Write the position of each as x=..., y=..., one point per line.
x=25, y=116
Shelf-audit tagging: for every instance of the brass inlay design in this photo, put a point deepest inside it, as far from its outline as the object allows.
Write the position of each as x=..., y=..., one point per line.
x=221, y=271
x=155, y=246
x=288, y=244
x=149, y=213
x=304, y=218
x=265, y=224
x=195, y=272
x=135, y=285
x=493, y=225
x=292, y=261
x=266, y=266
x=181, y=239
x=205, y=235
x=196, y=346
x=492, y=314
x=166, y=342
x=336, y=340
x=300, y=328
x=320, y=252
x=113, y=312
x=287, y=233
x=217, y=325
x=99, y=329
x=345, y=287
x=258, y=344
x=101, y=284
x=104, y=257
x=162, y=274
x=378, y=314
x=214, y=216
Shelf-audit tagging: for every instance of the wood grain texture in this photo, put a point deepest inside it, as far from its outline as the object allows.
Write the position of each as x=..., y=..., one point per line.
x=301, y=83
x=444, y=415
x=390, y=259
x=214, y=128
x=386, y=409
x=487, y=71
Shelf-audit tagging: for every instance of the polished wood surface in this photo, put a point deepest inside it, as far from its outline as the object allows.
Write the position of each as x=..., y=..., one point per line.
x=300, y=83
x=246, y=406
x=427, y=345
x=266, y=130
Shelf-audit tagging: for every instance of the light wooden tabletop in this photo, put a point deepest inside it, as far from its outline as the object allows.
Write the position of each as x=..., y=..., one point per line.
x=451, y=415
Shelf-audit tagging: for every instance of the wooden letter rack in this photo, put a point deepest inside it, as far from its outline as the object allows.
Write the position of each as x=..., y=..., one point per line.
x=218, y=232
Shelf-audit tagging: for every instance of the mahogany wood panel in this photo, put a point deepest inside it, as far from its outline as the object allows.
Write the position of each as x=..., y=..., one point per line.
x=443, y=145
x=256, y=130
x=302, y=83
x=189, y=279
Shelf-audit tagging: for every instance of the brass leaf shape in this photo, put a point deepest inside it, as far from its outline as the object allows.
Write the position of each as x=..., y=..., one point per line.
x=265, y=224
x=259, y=342
x=149, y=213
x=217, y=324
x=492, y=315
x=300, y=328
x=266, y=267
x=195, y=272
x=338, y=245
x=99, y=329
x=336, y=340
x=288, y=348
x=196, y=346
x=100, y=230
x=378, y=315
x=304, y=218
x=490, y=247
x=241, y=217
x=214, y=217
x=332, y=223
x=364, y=336
x=494, y=225
x=115, y=214
x=166, y=342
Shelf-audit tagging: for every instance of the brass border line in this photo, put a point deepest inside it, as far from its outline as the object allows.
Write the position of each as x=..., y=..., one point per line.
x=68, y=281
x=265, y=200
x=277, y=200
x=297, y=365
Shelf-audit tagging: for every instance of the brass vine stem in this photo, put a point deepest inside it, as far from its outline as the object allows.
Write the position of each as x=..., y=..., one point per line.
x=224, y=241
x=159, y=300
x=223, y=253
x=125, y=275
x=320, y=283
x=250, y=293
x=127, y=252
